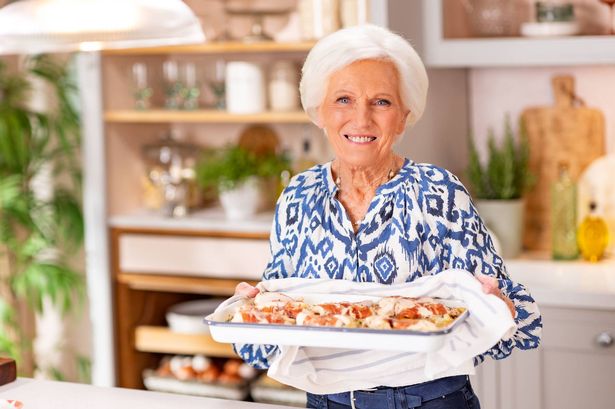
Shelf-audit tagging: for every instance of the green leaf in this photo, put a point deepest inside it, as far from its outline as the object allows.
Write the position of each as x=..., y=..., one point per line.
x=226, y=168
x=506, y=174
x=47, y=279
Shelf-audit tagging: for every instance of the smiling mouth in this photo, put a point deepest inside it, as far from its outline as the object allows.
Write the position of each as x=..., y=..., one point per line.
x=360, y=139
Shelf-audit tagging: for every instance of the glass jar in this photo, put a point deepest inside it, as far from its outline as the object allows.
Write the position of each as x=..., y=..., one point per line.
x=318, y=18
x=245, y=88
x=170, y=172
x=354, y=12
x=492, y=18
x=283, y=86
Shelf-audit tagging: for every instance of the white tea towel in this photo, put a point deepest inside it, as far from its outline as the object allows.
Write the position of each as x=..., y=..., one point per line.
x=328, y=370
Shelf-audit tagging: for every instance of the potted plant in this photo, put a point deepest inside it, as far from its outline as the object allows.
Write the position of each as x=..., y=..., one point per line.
x=41, y=223
x=499, y=184
x=239, y=176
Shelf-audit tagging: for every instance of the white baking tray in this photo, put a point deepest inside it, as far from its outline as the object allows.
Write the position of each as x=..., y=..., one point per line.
x=331, y=337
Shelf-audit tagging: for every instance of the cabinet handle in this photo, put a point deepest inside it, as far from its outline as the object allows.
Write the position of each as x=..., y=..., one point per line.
x=604, y=340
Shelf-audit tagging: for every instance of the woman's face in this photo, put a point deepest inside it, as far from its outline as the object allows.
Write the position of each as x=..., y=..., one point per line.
x=362, y=112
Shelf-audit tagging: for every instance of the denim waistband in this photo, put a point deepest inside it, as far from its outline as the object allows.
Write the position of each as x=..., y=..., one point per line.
x=418, y=394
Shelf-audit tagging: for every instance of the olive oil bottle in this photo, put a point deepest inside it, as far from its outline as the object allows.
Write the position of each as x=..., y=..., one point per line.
x=593, y=235
x=564, y=216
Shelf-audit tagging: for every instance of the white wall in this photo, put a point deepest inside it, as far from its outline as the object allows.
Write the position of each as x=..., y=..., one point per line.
x=440, y=137
x=496, y=91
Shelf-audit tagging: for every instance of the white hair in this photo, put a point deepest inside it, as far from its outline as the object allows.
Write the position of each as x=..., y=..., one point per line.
x=364, y=42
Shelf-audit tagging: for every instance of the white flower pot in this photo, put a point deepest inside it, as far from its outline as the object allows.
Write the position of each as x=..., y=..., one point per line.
x=244, y=201
x=505, y=219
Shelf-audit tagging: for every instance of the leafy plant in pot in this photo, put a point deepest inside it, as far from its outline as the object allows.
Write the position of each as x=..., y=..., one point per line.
x=41, y=222
x=239, y=176
x=498, y=185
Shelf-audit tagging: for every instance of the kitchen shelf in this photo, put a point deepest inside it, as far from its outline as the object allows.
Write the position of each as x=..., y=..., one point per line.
x=179, y=284
x=219, y=48
x=439, y=51
x=158, y=116
x=210, y=220
x=163, y=340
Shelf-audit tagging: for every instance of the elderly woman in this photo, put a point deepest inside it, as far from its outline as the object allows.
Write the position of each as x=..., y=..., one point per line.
x=373, y=216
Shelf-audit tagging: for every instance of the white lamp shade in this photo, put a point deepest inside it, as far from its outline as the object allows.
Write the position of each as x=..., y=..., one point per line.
x=37, y=26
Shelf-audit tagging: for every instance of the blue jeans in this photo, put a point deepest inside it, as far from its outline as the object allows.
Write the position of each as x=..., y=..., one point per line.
x=454, y=392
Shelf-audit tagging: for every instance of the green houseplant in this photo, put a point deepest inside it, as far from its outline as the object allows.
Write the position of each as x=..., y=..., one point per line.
x=498, y=185
x=41, y=222
x=239, y=176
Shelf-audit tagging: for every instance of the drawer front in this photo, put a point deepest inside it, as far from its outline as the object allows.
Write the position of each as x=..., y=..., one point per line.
x=195, y=256
x=580, y=330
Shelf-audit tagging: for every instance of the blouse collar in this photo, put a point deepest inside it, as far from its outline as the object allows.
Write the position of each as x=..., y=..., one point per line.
x=388, y=187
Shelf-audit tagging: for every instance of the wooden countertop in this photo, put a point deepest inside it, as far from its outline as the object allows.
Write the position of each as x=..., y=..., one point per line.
x=37, y=394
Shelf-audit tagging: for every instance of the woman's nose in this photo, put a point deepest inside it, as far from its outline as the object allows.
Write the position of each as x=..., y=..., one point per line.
x=362, y=115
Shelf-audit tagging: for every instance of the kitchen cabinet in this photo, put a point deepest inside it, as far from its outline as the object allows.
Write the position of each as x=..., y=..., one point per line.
x=143, y=291
x=573, y=367
x=445, y=42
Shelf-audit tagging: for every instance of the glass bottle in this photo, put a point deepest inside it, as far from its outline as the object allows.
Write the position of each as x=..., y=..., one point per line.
x=563, y=216
x=593, y=235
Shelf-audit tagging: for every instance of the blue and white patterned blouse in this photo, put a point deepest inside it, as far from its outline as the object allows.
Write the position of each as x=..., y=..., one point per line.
x=421, y=222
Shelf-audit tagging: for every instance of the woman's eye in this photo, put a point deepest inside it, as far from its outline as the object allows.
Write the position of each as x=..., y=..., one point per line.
x=343, y=100
x=383, y=102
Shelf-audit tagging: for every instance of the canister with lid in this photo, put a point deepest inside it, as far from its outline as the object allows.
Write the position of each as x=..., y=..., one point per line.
x=245, y=87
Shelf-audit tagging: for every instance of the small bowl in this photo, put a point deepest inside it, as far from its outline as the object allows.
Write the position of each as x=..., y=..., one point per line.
x=187, y=317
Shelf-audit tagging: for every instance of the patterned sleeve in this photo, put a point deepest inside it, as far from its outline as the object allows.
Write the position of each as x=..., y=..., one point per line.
x=279, y=266
x=468, y=245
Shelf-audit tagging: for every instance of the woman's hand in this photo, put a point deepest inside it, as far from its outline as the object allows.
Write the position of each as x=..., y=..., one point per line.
x=246, y=290
x=490, y=286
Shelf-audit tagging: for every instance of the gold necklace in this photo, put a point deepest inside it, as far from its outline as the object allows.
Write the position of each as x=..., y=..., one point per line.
x=389, y=176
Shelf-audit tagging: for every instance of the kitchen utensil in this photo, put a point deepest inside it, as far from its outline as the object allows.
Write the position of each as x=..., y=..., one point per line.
x=187, y=317
x=568, y=132
x=550, y=29
x=352, y=338
x=155, y=382
x=258, y=11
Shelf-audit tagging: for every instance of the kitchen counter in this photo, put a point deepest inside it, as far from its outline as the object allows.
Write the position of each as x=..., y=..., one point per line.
x=202, y=220
x=574, y=284
x=38, y=394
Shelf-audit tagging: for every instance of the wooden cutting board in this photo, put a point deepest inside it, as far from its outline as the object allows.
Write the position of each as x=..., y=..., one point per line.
x=8, y=371
x=567, y=132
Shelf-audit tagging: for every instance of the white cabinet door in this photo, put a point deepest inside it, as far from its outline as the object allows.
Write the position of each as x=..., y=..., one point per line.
x=573, y=368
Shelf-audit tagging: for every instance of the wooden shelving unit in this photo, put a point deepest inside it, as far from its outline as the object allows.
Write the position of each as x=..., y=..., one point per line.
x=441, y=51
x=163, y=340
x=159, y=116
x=219, y=48
x=143, y=295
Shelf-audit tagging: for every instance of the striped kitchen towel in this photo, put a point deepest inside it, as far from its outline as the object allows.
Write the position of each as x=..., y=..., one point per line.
x=328, y=370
